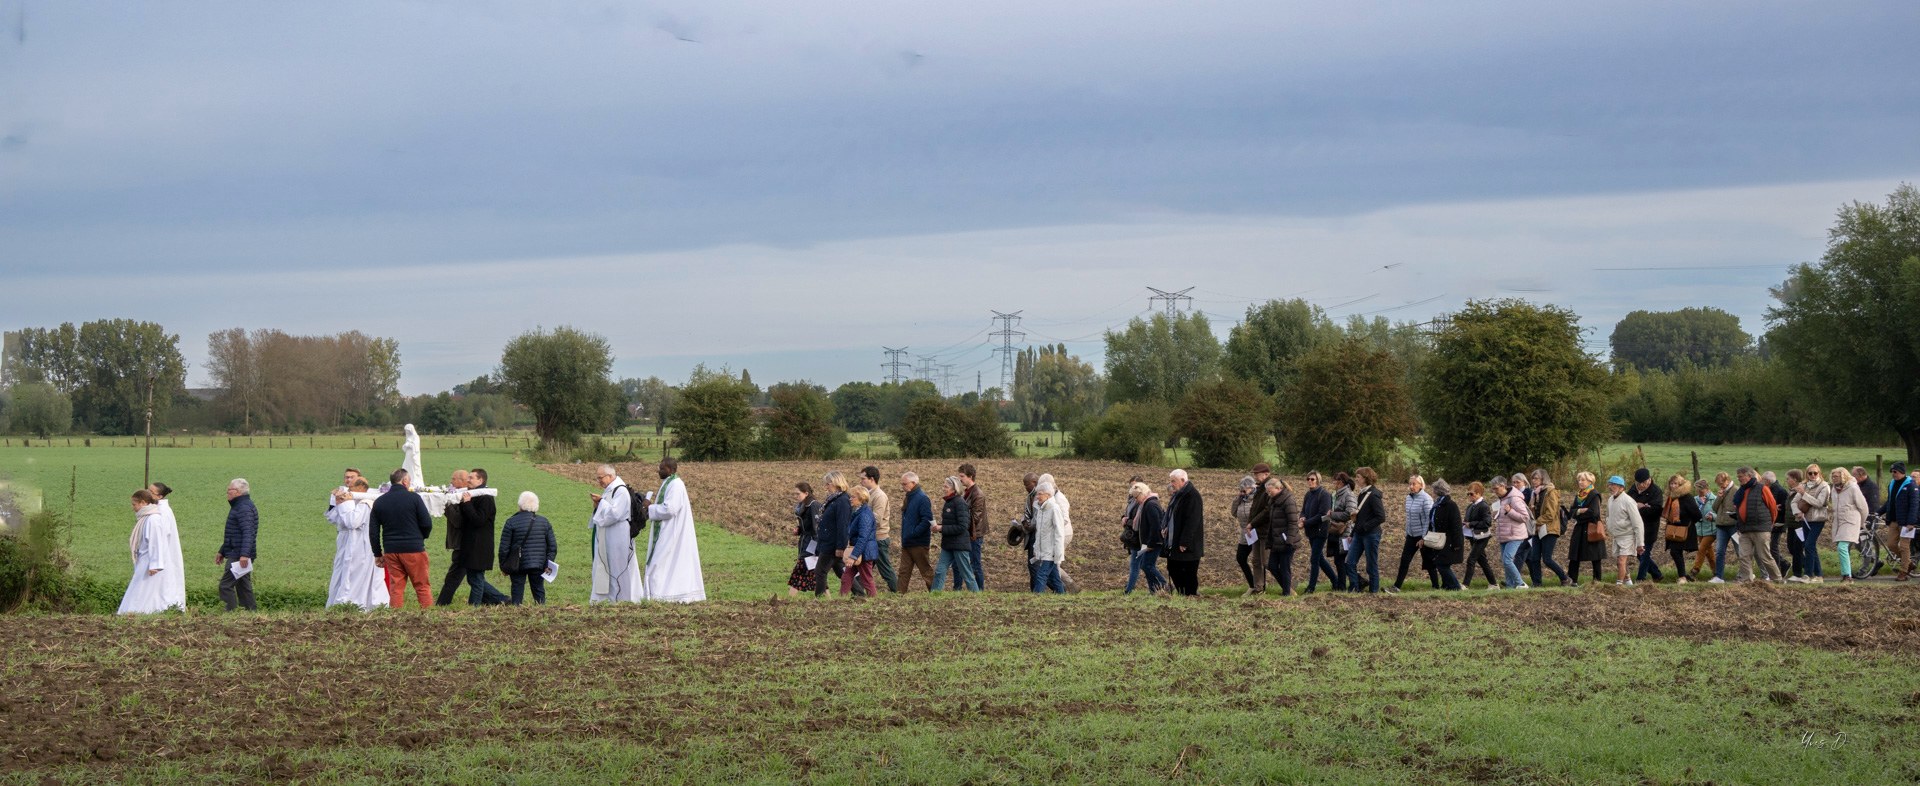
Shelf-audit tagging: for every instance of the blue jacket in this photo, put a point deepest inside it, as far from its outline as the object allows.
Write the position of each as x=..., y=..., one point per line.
x=916, y=519
x=1891, y=508
x=243, y=525
x=400, y=523
x=860, y=542
x=836, y=517
x=1907, y=510
x=1314, y=507
x=533, y=533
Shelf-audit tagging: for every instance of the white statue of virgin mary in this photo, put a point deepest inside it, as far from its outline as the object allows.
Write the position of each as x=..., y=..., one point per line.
x=410, y=458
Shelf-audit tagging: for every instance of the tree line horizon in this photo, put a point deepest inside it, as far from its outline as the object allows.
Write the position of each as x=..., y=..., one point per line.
x=1504, y=383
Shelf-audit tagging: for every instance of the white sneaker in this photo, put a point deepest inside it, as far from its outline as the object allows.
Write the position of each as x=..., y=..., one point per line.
x=1523, y=586
x=1716, y=580
x=1796, y=580
x=1816, y=580
x=1629, y=582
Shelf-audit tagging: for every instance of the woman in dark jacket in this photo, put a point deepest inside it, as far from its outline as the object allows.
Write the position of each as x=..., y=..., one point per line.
x=1446, y=520
x=1314, y=507
x=1680, y=510
x=532, y=534
x=1368, y=518
x=806, y=514
x=830, y=536
x=1145, y=517
x=956, y=542
x=1587, y=510
x=1283, y=532
x=1479, y=530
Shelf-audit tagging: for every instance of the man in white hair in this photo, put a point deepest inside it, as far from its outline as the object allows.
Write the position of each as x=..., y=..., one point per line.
x=616, y=569
x=673, y=554
x=1048, y=547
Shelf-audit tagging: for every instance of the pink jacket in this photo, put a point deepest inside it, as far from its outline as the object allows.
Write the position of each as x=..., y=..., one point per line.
x=1510, y=523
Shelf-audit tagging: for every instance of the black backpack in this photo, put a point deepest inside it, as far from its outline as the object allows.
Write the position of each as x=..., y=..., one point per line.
x=636, y=514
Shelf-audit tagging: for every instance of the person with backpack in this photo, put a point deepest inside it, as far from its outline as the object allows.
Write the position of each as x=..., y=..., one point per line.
x=527, y=544
x=1589, y=529
x=616, y=567
x=1754, y=508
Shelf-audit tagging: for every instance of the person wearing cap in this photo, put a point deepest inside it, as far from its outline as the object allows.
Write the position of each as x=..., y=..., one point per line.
x=1649, y=500
x=1906, y=520
x=1626, y=533
x=1753, y=507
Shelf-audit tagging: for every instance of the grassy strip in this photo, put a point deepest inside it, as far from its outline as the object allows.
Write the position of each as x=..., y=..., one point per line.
x=940, y=690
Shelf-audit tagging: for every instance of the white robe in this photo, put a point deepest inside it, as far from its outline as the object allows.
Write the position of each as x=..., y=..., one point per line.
x=356, y=579
x=616, y=569
x=410, y=458
x=156, y=546
x=673, y=554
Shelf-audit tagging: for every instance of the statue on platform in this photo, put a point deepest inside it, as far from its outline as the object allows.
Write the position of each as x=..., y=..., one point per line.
x=410, y=458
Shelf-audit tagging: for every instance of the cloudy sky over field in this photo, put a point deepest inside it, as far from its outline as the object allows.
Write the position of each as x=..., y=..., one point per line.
x=787, y=187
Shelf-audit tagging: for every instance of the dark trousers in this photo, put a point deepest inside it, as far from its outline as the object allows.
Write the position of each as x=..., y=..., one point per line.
x=1796, y=549
x=1253, y=563
x=520, y=582
x=480, y=593
x=825, y=570
x=1678, y=552
x=1367, y=546
x=1318, y=563
x=1185, y=576
x=1446, y=577
x=1647, y=566
x=883, y=566
x=1542, y=554
x=456, y=573
x=1407, y=553
x=1280, y=563
x=237, y=593
x=1773, y=546
x=1478, y=556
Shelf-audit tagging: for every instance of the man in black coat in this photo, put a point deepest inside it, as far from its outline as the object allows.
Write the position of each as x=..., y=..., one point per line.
x=243, y=527
x=398, y=529
x=1650, y=500
x=1186, y=534
x=475, y=555
x=456, y=563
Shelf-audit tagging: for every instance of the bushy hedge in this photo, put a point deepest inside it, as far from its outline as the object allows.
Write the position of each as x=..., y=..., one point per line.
x=1133, y=432
x=934, y=428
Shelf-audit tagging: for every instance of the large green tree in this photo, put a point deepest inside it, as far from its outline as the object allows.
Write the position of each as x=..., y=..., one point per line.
x=800, y=424
x=1053, y=388
x=713, y=418
x=1349, y=405
x=1849, y=325
x=561, y=377
x=1509, y=387
x=107, y=367
x=934, y=428
x=655, y=398
x=1664, y=340
x=1160, y=358
x=856, y=406
x=1266, y=346
x=1225, y=422
x=40, y=409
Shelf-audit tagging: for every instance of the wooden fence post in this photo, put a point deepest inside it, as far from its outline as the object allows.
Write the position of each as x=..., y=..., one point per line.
x=1696, y=465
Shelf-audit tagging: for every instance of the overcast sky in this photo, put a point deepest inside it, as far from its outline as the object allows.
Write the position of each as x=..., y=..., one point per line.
x=789, y=187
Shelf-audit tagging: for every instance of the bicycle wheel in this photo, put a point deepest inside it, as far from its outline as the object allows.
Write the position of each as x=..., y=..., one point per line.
x=1866, y=556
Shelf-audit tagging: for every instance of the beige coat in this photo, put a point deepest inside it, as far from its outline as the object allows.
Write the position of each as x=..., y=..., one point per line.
x=1624, y=526
x=1815, y=501
x=1849, y=514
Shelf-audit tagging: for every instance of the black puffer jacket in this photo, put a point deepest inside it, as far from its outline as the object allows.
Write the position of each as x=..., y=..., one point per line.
x=955, y=519
x=534, y=535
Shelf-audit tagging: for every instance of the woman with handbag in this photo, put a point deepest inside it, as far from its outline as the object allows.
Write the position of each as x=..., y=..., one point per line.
x=1419, y=511
x=1340, y=529
x=1546, y=528
x=526, y=546
x=1589, y=533
x=1479, y=530
x=1680, y=515
x=806, y=514
x=1510, y=524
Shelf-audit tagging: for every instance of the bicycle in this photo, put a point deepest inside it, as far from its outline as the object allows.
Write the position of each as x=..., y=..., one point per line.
x=1868, y=555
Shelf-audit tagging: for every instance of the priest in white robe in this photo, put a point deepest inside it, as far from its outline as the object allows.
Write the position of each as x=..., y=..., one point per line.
x=616, y=568
x=158, y=583
x=357, y=579
x=673, y=554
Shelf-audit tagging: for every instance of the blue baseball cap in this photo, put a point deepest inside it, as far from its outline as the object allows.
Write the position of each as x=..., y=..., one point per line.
x=1616, y=481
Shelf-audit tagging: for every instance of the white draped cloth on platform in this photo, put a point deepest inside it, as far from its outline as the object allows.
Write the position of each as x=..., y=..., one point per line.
x=673, y=554
x=357, y=580
x=616, y=569
x=155, y=544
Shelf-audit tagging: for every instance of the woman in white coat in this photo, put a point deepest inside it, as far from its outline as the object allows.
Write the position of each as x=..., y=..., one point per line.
x=157, y=583
x=1849, y=516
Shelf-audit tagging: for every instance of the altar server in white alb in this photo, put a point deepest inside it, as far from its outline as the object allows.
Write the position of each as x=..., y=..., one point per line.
x=357, y=579
x=616, y=569
x=158, y=583
x=673, y=555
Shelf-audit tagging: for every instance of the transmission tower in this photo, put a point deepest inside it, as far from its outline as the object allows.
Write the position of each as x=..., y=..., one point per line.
x=925, y=371
x=946, y=379
x=1007, y=336
x=1172, y=299
x=894, y=364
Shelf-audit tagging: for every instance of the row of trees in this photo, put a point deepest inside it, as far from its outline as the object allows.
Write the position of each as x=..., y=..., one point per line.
x=102, y=374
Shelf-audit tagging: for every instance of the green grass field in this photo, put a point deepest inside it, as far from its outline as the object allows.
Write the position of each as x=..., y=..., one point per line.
x=965, y=690
x=296, y=543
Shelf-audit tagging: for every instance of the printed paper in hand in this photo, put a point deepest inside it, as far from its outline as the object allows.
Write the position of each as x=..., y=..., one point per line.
x=1907, y=532
x=1801, y=533
x=553, y=572
x=813, y=563
x=813, y=547
x=239, y=572
x=1251, y=537
x=1346, y=544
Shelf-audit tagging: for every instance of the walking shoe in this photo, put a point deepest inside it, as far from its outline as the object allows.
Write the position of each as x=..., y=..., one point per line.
x=1795, y=580
x=1575, y=585
x=1523, y=585
x=1816, y=580
x=1681, y=580
x=1902, y=577
x=1393, y=590
x=1716, y=580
